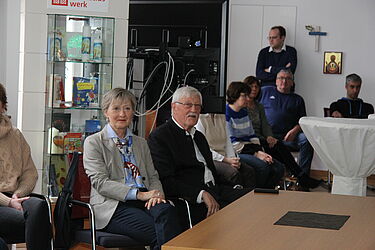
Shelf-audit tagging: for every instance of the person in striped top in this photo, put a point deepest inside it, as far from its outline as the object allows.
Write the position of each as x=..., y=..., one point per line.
x=246, y=144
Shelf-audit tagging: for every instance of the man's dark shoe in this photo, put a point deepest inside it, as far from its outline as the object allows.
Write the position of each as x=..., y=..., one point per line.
x=308, y=182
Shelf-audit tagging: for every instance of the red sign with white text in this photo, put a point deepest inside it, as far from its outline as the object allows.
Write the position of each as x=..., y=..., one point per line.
x=60, y=2
x=84, y=5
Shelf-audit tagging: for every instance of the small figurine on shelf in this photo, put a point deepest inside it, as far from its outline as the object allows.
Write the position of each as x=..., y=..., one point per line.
x=56, y=91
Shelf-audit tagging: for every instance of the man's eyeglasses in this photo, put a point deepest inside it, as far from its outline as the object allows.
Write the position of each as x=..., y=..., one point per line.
x=272, y=37
x=284, y=78
x=190, y=105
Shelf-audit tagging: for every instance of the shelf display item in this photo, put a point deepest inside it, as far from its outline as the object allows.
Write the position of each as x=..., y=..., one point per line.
x=61, y=121
x=72, y=143
x=92, y=126
x=86, y=43
x=57, y=95
x=97, y=48
x=85, y=92
x=55, y=141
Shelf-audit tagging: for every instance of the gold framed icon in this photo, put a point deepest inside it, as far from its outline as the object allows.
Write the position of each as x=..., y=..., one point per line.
x=332, y=62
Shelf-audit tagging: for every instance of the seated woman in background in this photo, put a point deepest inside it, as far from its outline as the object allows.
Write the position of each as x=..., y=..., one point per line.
x=268, y=170
x=270, y=144
x=228, y=166
x=22, y=218
x=126, y=193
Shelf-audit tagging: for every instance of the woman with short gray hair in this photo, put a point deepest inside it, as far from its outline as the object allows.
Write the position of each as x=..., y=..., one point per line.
x=126, y=193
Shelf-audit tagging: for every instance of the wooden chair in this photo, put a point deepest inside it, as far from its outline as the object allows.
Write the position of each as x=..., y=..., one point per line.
x=327, y=112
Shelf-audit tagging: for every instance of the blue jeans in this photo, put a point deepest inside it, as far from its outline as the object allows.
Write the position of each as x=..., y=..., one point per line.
x=306, y=151
x=267, y=175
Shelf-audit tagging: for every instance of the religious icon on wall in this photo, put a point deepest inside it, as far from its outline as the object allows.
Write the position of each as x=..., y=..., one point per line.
x=332, y=62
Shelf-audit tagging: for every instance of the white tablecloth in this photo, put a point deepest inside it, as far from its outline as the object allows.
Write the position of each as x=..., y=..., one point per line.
x=346, y=147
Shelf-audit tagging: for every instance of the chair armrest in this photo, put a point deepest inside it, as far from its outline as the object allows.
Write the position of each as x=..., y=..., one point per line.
x=92, y=219
x=48, y=201
x=44, y=197
x=40, y=196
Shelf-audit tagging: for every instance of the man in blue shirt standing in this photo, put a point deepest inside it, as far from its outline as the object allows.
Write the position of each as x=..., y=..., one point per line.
x=283, y=110
x=275, y=57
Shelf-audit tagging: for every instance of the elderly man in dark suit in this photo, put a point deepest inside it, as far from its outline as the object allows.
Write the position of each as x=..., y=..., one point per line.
x=183, y=159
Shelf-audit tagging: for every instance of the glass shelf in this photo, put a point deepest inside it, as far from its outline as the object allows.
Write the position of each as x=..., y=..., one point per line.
x=77, y=61
x=75, y=108
x=79, y=71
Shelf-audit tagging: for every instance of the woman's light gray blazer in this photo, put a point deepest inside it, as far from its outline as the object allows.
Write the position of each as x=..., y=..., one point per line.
x=103, y=164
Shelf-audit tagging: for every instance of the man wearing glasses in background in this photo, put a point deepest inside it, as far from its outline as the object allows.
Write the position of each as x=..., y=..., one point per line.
x=275, y=57
x=283, y=110
x=183, y=159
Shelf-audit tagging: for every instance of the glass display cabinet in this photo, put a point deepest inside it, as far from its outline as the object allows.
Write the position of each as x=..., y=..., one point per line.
x=79, y=72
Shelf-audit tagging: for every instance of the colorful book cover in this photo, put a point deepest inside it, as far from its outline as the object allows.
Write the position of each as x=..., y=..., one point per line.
x=61, y=121
x=73, y=142
x=85, y=92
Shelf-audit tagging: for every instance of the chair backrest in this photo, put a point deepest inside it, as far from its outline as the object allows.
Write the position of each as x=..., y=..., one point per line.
x=62, y=212
x=81, y=189
x=327, y=112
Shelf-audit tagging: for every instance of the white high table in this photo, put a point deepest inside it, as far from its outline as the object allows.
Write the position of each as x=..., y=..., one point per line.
x=346, y=147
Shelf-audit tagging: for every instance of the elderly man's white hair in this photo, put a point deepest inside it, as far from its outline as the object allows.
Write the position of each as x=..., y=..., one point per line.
x=185, y=92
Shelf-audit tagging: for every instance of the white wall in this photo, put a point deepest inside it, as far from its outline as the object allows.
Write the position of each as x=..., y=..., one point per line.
x=349, y=25
x=350, y=30
x=3, y=6
x=9, y=52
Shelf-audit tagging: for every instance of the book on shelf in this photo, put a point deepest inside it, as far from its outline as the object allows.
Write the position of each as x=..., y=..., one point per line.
x=92, y=126
x=85, y=92
x=61, y=121
x=72, y=142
